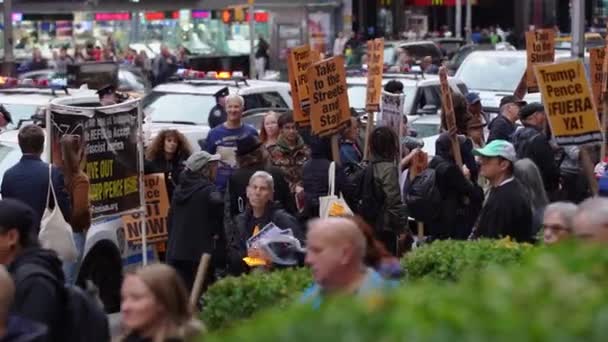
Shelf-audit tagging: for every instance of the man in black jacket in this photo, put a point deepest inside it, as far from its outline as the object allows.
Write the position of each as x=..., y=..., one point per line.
x=532, y=142
x=38, y=296
x=506, y=211
x=195, y=217
x=503, y=126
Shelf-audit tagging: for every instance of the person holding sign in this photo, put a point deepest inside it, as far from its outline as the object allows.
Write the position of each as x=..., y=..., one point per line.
x=223, y=138
x=195, y=216
x=532, y=142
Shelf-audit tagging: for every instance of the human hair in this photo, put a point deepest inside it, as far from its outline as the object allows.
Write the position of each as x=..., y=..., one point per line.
x=285, y=118
x=595, y=209
x=528, y=174
x=265, y=176
x=156, y=149
x=17, y=215
x=263, y=133
x=255, y=157
x=375, y=251
x=461, y=113
x=237, y=98
x=7, y=295
x=31, y=139
x=394, y=87
x=566, y=211
x=72, y=154
x=170, y=293
x=384, y=143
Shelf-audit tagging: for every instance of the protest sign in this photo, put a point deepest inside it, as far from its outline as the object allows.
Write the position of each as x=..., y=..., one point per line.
x=375, y=50
x=112, y=153
x=568, y=103
x=392, y=112
x=330, y=111
x=596, y=72
x=540, y=47
x=156, y=216
x=298, y=61
x=448, y=111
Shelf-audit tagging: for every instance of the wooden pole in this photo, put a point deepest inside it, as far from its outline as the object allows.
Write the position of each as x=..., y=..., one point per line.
x=448, y=108
x=335, y=149
x=588, y=169
x=201, y=274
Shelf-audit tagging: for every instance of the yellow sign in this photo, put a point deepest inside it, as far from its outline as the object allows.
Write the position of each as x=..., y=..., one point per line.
x=375, y=49
x=157, y=211
x=568, y=103
x=329, y=100
x=299, y=59
x=596, y=71
x=540, y=47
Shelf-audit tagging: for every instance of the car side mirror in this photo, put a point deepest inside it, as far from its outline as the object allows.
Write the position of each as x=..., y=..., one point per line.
x=429, y=109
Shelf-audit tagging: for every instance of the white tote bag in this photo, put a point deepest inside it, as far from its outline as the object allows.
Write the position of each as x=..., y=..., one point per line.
x=332, y=205
x=55, y=233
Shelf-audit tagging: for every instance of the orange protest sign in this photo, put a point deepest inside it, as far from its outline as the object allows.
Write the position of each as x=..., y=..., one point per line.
x=596, y=71
x=329, y=101
x=315, y=56
x=448, y=110
x=298, y=61
x=375, y=49
x=540, y=47
x=157, y=211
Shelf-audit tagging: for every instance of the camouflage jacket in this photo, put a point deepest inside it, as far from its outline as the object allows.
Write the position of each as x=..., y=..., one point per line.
x=290, y=160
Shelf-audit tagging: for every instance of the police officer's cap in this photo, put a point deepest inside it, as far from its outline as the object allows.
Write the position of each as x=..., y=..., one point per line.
x=106, y=90
x=222, y=92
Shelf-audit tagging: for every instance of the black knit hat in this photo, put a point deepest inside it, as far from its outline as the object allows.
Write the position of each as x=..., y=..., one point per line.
x=17, y=215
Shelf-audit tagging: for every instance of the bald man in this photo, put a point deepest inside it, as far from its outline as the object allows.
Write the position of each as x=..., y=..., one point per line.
x=336, y=249
x=591, y=220
x=13, y=328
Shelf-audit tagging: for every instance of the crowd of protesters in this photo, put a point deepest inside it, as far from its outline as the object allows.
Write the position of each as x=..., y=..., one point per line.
x=516, y=183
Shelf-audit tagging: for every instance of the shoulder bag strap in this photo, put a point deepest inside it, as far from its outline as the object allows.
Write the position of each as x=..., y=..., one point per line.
x=51, y=188
x=332, y=179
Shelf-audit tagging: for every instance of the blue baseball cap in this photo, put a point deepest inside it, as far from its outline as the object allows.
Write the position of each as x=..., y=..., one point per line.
x=473, y=98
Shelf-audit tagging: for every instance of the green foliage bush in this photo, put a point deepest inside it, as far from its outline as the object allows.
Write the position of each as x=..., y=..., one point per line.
x=237, y=298
x=448, y=260
x=552, y=295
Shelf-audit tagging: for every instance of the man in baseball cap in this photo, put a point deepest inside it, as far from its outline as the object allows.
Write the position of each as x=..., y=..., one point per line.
x=507, y=210
x=503, y=126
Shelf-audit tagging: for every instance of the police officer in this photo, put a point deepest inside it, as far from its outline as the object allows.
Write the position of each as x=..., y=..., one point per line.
x=217, y=115
x=108, y=96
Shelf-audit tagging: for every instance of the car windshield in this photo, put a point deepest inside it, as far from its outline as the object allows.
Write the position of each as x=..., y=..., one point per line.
x=9, y=156
x=425, y=130
x=357, y=94
x=389, y=55
x=20, y=112
x=492, y=73
x=178, y=108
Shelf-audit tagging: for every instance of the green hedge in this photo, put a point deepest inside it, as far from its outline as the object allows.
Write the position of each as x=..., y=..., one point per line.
x=553, y=295
x=447, y=260
x=233, y=299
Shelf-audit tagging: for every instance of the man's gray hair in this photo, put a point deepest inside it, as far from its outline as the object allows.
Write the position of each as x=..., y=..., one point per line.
x=566, y=210
x=595, y=210
x=265, y=176
x=236, y=97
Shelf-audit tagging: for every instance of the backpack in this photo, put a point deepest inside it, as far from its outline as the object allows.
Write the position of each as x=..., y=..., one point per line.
x=369, y=199
x=84, y=319
x=422, y=196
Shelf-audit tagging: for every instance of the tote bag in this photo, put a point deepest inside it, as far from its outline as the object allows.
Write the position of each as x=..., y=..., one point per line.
x=332, y=205
x=55, y=233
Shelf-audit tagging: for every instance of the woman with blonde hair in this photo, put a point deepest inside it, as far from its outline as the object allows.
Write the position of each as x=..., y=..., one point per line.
x=77, y=185
x=155, y=307
x=269, y=129
x=167, y=154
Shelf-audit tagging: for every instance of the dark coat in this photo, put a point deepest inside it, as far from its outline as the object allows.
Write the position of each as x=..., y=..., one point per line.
x=37, y=297
x=239, y=180
x=456, y=219
x=238, y=234
x=23, y=330
x=28, y=181
x=530, y=142
x=501, y=128
x=172, y=170
x=217, y=116
x=315, y=180
x=194, y=219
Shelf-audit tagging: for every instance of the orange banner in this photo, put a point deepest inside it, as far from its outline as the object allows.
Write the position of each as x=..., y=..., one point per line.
x=299, y=59
x=540, y=47
x=375, y=50
x=157, y=212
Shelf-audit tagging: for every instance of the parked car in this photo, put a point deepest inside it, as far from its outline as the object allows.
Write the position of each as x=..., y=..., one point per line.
x=459, y=56
x=419, y=50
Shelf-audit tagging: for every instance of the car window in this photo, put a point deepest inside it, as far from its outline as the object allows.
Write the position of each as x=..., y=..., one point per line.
x=272, y=100
x=420, y=51
x=425, y=130
x=129, y=81
x=9, y=156
x=176, y=107
x=492, y=72
x=20, y=112
x=390, y=57
x=358, y=93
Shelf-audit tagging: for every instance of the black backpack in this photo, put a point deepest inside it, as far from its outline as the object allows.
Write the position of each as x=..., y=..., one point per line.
x=370, y=199
x=84, y=319
x=423, y=198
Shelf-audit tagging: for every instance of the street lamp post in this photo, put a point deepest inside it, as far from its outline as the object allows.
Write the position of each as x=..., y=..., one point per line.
x=9, y=58
x=458, y=19
x=251, y=41
x=578, y=29
x=469, y=21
